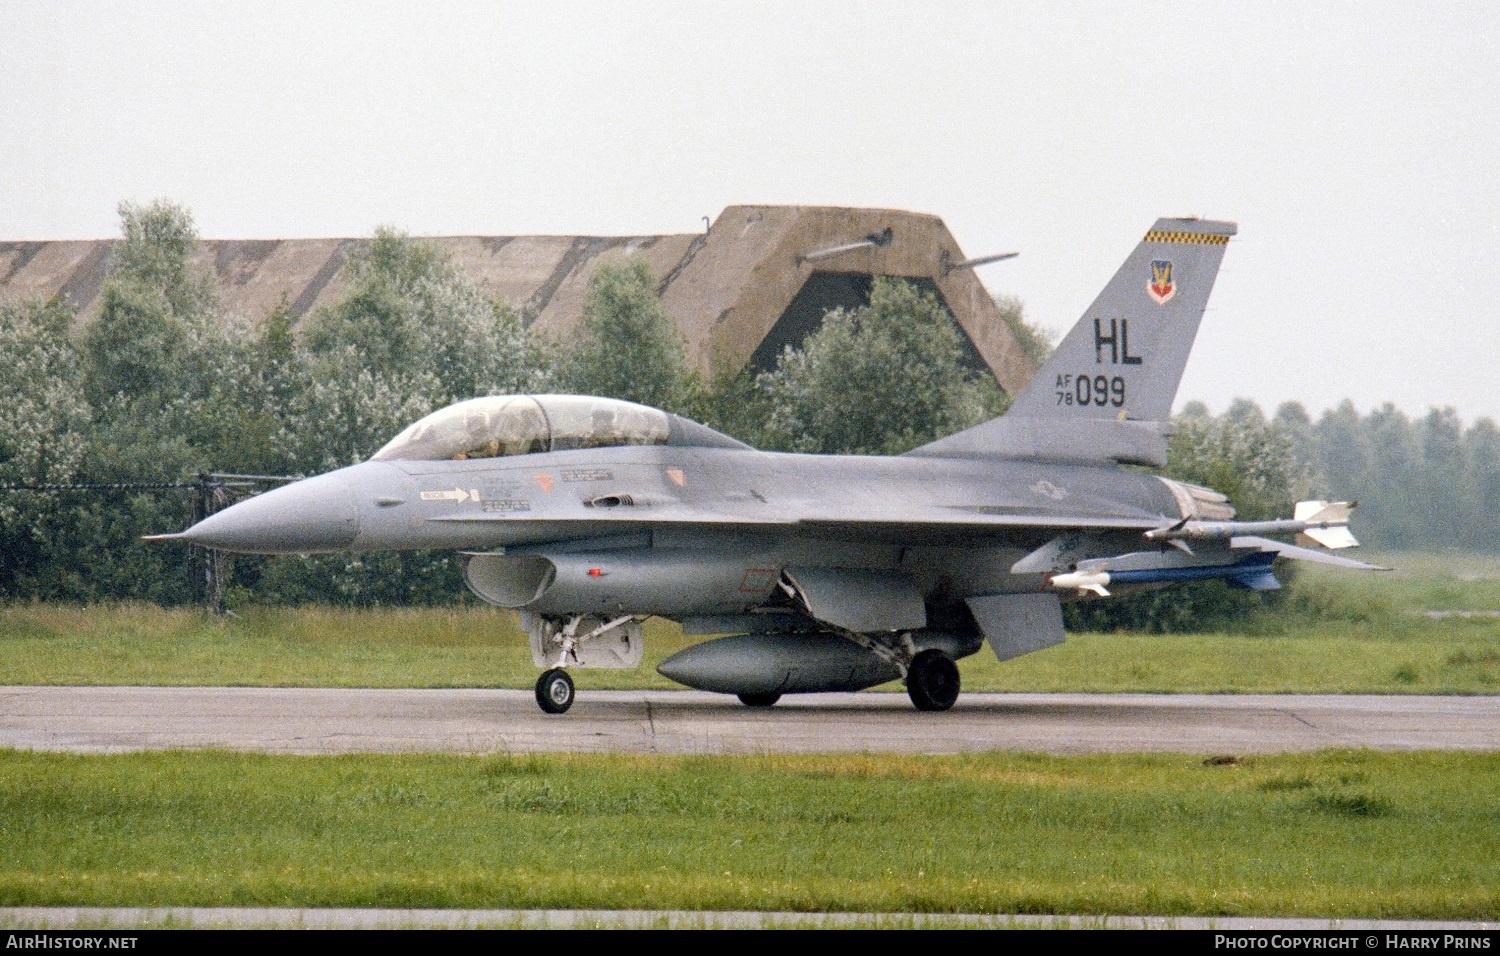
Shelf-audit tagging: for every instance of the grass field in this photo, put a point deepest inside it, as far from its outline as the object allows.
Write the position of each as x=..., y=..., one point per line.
x=1364, y=635
x=1337, y=834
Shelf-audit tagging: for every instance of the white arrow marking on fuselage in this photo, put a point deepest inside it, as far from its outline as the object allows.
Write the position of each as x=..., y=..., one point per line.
x=457, y=494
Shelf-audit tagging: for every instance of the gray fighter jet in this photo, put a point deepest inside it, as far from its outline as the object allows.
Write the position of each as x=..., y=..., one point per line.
x=820, y=572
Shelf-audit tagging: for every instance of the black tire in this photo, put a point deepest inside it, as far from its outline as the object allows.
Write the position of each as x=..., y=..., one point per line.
x=554, y=691
x=932, y=680
x=760, y=700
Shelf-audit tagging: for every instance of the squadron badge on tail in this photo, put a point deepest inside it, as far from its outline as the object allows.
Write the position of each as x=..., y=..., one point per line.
x=1161, y=287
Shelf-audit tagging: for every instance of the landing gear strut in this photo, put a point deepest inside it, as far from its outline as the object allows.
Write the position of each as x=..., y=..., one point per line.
x=932, y=680
x=554, y=691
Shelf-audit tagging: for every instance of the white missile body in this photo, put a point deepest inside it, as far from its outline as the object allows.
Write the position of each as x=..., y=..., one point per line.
x=1095, y=581
x=1323, y=522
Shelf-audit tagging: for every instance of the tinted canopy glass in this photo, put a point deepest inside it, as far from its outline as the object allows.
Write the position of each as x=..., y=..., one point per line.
x=502, y=425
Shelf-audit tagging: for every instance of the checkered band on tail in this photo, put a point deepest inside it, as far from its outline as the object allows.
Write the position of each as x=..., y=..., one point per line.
x=1205, y=238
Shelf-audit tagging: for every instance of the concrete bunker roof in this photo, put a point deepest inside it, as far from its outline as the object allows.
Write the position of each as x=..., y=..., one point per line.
x=727, y=288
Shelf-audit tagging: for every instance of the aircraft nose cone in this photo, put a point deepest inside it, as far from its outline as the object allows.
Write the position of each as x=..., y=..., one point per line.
x=315, y=514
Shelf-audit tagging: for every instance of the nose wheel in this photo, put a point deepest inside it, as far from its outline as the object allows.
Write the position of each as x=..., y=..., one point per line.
x=554, y=691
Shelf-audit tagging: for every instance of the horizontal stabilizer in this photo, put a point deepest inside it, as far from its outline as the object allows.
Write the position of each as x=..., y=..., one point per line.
x=1284, y=550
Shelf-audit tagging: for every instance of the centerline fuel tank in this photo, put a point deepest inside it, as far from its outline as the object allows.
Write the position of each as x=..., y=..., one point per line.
x=777, y=664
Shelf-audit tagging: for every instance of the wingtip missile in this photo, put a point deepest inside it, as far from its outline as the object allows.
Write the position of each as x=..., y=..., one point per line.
x=1319, y=522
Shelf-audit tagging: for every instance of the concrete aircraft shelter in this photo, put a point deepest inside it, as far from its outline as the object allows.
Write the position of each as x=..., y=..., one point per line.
x=758, y=279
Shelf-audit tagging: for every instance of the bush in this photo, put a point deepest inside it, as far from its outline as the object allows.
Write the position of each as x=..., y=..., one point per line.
x=881, y=379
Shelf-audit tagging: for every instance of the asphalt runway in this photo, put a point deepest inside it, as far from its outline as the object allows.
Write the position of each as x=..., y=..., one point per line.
x=314, y=721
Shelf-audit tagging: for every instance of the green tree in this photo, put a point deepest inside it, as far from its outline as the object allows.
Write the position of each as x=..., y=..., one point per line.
x=626, y=346
x=1392, y=476
x=1436, y=502
x=410, y=335
x=45, y=416
x=151, y=362
x=734, y=403
x=248, y=422
x=1244, y=456
x=1425, y=483
x=158, y=244
x=1481, y=485
x=1036, y=340
x=44, y=424
x=156, y=312
x=881, y=379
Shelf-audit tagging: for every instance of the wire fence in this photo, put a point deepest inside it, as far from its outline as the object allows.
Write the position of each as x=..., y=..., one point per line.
x=210, y=492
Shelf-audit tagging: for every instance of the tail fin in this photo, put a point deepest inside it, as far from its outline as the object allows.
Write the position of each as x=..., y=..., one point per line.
x=1121, y=364
x=1333, y=515
x=1124, y=359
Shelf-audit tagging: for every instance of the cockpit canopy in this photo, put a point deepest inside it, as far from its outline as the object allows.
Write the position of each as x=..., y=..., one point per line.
x=502, y=425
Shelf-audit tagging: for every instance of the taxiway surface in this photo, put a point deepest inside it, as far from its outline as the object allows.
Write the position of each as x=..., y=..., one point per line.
x=310, y=720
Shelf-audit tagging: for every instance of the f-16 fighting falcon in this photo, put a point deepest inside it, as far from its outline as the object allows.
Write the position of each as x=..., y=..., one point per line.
x=818, y=572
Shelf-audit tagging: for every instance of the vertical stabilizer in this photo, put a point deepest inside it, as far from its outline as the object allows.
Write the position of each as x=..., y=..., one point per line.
x=1107, y=391
x=1125, y=358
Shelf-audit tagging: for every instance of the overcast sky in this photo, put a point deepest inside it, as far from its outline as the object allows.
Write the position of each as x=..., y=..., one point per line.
x=1355, y=144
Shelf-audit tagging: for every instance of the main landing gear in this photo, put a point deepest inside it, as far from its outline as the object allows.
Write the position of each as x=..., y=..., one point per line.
x=932, y=680
x=931, y=675
x=554, y=691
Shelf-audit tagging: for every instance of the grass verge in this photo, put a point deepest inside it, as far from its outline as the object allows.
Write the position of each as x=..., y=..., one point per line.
x=1342, y=633
x=1339, y=834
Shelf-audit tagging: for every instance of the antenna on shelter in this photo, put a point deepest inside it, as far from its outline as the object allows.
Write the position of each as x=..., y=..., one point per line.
x=948, y=266
x=873, y=240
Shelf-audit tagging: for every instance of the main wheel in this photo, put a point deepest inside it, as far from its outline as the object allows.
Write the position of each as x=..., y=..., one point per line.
x=554, y=691
x=932, y=680
x=760, y=700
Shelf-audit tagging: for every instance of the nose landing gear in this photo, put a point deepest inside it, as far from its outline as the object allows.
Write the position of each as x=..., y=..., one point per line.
x=579, y=640
x=554, y=691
